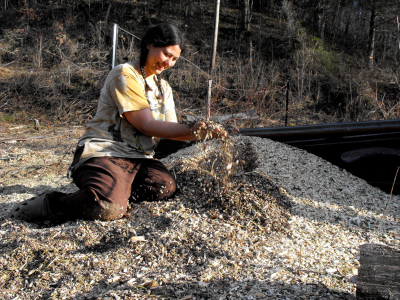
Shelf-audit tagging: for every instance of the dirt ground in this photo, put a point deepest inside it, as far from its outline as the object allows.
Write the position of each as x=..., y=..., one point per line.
x=253, y=219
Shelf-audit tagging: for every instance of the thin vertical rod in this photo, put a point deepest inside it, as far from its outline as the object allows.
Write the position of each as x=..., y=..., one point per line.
x=114, y=48
x=215, y=37
x=287, y=103
x=214, y=53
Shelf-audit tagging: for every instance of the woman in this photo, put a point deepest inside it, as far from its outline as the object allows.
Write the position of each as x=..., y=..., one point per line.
x=113, y=162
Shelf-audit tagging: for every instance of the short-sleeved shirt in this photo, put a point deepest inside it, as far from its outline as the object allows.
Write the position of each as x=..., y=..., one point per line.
x=109, y=133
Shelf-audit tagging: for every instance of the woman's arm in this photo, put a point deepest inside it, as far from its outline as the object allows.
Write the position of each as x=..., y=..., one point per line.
x=143, y=121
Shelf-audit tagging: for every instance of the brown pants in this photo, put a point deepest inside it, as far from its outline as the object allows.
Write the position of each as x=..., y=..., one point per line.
x=107, y=184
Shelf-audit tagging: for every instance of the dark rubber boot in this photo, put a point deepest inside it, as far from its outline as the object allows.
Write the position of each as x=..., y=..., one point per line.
x=32, y=210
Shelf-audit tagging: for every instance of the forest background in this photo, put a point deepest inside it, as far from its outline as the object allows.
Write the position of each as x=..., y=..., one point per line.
x=290, y=62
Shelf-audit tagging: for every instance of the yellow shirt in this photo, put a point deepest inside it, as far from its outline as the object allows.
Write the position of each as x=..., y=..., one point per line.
x=109, y=133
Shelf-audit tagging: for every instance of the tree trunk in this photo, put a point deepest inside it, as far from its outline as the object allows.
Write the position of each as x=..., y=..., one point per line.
x=247, y=7
x=188, y=11
x=321, y=24
x=32, y=4
x=398, y=37
x=318, y=17
x=371, y=39
x=160, y=8
x=257, y=5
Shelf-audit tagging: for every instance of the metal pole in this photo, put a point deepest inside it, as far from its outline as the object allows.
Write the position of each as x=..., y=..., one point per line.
x=215, y=39
x=208, y=104
x=114, y=49
x=287, y=103
x=214, y=52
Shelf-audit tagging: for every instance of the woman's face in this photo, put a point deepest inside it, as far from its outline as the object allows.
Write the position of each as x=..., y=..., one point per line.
x=161, y=58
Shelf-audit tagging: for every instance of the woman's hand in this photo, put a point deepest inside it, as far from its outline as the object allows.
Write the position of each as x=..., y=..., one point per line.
x=204, y=130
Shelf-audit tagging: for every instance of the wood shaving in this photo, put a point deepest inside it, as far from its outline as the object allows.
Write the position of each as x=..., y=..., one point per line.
x=253, y=219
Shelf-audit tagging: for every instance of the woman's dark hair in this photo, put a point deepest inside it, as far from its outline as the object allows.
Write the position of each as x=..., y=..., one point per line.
x=161, y=35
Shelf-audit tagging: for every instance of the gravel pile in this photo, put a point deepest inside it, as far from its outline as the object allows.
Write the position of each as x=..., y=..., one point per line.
x=253, y=219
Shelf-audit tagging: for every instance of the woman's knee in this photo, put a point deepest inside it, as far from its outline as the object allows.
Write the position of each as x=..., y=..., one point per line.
x=104, y=208
x=106, y=211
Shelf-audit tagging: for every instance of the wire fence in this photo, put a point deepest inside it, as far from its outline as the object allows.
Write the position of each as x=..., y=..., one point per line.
x=248, y=102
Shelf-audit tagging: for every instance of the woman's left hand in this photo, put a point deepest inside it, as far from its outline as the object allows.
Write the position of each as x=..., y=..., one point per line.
x=204, y=130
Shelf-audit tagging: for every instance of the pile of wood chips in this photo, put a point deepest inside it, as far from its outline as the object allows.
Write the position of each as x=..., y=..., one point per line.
x=253, y=219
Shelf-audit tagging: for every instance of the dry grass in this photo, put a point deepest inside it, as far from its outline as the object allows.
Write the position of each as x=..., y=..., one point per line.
x=253, y=219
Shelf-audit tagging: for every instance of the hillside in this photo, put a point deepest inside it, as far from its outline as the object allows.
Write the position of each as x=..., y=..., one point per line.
x=54, y=58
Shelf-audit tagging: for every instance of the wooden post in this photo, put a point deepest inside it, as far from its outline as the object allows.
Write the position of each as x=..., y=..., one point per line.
x=379, y=273
x=287, y=104
x=214, y=53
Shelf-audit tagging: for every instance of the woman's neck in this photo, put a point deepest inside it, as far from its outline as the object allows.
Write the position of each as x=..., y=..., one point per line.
x=136, y=65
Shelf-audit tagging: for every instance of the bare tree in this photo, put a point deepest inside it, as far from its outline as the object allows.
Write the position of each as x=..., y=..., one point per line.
x=359, y=24
x=32, y=4
x=379, y=14
x=371, y=37
x=247, y=10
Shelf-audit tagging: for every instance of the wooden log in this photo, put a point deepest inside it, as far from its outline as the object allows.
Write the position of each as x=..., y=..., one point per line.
x=379, y=273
